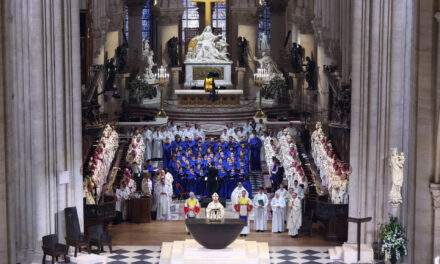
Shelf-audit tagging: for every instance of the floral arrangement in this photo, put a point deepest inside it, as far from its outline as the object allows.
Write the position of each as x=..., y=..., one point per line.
x=393, y=240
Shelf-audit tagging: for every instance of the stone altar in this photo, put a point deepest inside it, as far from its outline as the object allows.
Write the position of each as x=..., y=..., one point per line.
x=195, y=73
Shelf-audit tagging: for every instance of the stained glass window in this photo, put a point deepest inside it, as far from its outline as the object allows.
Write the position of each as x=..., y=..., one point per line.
x=219, y=17
x=190, y=18
x=264, y=22
x=146, y=21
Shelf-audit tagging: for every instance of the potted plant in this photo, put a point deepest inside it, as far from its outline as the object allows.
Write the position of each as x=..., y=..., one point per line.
x=393, y=240
x=276, y=89
x=139, y=89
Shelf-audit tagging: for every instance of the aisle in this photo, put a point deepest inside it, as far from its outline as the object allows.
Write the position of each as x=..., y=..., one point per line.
x=157, y=232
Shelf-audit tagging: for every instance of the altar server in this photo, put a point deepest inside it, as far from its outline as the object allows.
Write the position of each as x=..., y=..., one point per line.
x=163, y=193
x=294, y=220
x=260, y=212
x=278, y=204
x=243, y=208
x=191, y=209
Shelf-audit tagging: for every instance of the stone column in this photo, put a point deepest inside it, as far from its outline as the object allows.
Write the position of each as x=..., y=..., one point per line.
x=243, y=22
x=241, y=72
x=435, y=191
x=298, y=91
x=42, y=103
x=175, y=85
x=168, y=14
x=135, y=33
x=380, y=112
x=278, y=22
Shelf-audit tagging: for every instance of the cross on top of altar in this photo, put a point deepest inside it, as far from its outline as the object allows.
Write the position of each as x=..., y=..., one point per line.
x=208, y=19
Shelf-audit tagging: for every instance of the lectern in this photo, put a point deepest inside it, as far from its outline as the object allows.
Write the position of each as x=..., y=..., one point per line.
x=359, y=221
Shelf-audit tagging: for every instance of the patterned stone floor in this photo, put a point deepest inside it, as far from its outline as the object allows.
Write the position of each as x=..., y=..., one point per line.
x=278, y=255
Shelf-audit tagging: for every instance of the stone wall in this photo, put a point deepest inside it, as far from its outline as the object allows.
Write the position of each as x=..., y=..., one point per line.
x=41, y=123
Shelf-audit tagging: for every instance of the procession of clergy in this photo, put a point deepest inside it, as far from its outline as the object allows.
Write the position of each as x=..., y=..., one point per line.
x=237, y=146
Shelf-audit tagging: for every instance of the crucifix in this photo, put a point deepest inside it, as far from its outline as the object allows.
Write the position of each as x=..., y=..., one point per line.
x=359, y=221
x=208, y=9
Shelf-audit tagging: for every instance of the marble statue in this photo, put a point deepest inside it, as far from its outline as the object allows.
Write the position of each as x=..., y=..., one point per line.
x=269, y=65
x=396, y=163
x=148, y=57
x=264, y=43
x=209, y=48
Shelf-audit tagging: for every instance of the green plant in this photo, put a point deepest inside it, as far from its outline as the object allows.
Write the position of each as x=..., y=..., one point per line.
x=276, y=89
x=394, y=240
x=139, y=88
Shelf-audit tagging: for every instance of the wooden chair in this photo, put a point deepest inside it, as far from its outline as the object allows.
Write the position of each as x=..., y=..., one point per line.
x=74, y=237
x=52, y=248
x=99, y=238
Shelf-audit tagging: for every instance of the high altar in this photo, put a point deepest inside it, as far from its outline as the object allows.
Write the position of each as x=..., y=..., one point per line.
x=207, y=53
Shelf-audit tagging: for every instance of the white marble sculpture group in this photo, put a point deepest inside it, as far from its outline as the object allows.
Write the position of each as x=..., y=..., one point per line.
x=210, y=48
x=147, y=56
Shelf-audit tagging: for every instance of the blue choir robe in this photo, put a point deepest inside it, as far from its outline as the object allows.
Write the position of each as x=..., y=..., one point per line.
x=223, y=191
x=166, y=157
x=202, y=184
x=256, y=145
x=246, y=183
x=191, y=182
x=180, y=180
x=232, y=183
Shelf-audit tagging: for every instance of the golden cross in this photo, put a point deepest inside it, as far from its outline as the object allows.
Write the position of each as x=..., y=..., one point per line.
x=208, y=9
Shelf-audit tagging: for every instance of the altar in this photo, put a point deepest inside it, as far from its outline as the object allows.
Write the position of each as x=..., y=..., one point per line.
x=200, y=98
x=196, y=72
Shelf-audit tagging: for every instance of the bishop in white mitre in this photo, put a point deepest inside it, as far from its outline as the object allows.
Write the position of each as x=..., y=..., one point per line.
x=294, y=220
x=162, y=195
x=260, y=212
x=215, y=210
x=278, y=204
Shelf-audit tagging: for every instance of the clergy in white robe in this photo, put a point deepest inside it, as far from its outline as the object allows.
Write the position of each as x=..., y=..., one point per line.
x=191, y=208
x=243, y=208
x=260, y=211
x=236, y=194
x=277, y=204
x=162, y=195
x=157, y=144
x=215, y=210
x=286, y=196
x=294, y=220
x=147, y=136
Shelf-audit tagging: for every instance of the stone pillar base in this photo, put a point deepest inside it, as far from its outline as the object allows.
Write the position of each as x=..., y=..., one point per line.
x=175, y=73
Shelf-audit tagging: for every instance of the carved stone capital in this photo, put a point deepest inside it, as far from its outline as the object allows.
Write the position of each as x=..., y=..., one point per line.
x=278, y=6
x=135, y=7
x=166, y=16
x=435, y=191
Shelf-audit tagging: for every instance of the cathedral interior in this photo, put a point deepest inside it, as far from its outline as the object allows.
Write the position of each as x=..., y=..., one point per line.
x=343, y=95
